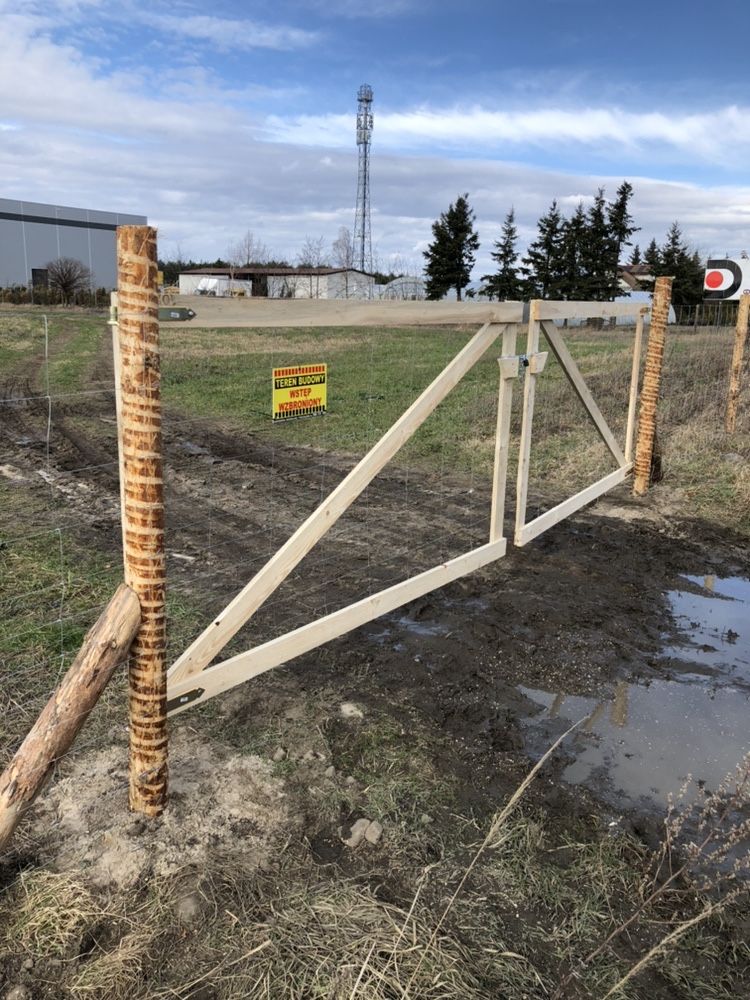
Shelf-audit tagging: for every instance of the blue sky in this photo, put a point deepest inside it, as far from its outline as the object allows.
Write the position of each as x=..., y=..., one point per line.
x=213, y=120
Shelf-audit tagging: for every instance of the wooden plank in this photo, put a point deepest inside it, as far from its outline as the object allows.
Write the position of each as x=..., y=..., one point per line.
x=527, y=421
x=242, y=607
x=502, y=432
x=546, y=309
x=583, y=392
x=196, y=689
x=311, y=313
x=635, y=374
x=571, y=505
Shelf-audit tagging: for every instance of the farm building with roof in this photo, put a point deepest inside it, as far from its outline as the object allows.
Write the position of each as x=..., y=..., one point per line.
x=279, y=282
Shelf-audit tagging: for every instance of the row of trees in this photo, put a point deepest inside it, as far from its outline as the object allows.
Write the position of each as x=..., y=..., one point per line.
x=675, y=258
x=575, y=257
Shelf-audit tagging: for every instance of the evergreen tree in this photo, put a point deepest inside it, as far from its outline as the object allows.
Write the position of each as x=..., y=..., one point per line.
x=542, y=266
x=505, y=284
x=652, y=257
x=685, y=267
x=635, y=257
x=620, y=220
x=573, y=284
x=598, y=252
x=451, y=255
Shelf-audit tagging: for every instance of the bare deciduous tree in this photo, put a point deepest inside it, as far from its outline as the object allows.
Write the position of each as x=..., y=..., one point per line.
x=342, y=249
x=312, y=252
x=68, y=276
x=248, y=250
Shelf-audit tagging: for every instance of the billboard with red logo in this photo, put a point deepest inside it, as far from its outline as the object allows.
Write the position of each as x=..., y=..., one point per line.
x=726, y=279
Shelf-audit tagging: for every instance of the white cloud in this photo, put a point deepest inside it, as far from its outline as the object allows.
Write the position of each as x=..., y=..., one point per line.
x=228, y=33
x=197, y=165
x=722, y=136
x=372, y=9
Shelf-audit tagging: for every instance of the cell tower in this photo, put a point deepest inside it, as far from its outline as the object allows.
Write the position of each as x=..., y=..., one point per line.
x=362, y=235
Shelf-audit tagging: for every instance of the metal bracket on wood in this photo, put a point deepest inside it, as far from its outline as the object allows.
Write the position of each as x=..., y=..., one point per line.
x=185, y=699
x=509, y=367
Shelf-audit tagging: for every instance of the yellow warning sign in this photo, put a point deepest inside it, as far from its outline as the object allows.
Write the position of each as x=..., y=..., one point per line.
x=299, y=391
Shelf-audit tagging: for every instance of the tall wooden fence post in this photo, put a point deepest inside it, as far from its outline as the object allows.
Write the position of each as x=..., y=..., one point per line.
x=651, y=384
x=143, y=510
x=735, y=375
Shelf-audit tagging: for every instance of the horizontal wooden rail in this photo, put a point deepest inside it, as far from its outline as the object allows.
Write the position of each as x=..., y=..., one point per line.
x=311, y=313
x=541, y=309
x=189, y=691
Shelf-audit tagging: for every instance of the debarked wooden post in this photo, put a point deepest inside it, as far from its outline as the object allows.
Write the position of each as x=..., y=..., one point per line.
x=138, y=374
x=651, y=385
x=738, y=354
x=102, y=651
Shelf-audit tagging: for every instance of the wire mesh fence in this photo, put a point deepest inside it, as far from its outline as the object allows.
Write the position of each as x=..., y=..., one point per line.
x=238, y=484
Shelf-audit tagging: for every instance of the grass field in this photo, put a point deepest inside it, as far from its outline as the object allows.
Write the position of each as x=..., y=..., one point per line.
x=281, y=910
x=375, y=374
x=224, y=376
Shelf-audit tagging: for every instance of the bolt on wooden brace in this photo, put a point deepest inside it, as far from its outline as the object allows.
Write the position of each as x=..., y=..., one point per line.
x=137, y=376
x=644, y=451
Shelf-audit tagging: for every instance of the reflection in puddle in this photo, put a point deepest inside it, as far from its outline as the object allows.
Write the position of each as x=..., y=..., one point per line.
x=716, y=623
x=641, y=744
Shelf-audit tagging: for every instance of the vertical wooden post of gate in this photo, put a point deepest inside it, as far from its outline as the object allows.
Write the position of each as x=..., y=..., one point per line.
x=143, y=510
x=651, y=384
x=735, y=375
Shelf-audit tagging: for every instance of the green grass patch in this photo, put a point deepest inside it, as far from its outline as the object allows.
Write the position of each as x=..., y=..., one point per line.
x=59, y=355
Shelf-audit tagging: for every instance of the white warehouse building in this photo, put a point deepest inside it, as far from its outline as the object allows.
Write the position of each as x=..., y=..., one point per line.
x=279, y=282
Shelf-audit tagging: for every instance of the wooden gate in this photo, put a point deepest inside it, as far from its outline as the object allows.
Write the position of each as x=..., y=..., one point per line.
x=192, y=679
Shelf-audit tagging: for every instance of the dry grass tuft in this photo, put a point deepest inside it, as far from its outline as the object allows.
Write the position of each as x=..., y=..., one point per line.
x=47, y=914
x=115, y=973
x=335, y=939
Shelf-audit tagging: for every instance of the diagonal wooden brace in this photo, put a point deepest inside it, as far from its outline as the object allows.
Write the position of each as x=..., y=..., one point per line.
x=265, y=582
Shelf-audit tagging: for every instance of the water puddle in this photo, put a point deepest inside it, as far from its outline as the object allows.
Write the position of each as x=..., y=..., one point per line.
x=642, y=743
x=716, y=623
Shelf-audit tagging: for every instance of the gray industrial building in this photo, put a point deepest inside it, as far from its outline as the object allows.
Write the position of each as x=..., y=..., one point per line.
x=32, y=234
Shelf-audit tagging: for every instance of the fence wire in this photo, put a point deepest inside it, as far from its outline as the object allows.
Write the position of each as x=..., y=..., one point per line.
x=237, y=485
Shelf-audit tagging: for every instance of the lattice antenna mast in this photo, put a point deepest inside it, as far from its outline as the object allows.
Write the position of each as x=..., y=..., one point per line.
x=362, y=235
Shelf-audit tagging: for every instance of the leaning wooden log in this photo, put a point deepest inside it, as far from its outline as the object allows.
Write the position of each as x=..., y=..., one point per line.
x=105, y=646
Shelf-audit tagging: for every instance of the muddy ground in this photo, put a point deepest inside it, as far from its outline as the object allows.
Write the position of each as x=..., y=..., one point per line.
x=578, y=610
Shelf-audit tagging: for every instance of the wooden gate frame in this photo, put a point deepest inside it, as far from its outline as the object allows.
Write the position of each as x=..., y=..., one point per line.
x=192, y=679
x=542, y=314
